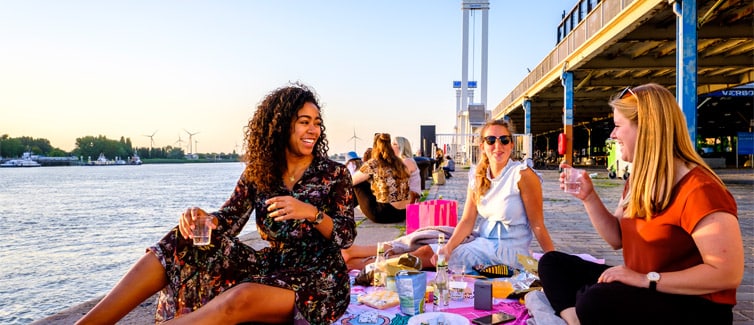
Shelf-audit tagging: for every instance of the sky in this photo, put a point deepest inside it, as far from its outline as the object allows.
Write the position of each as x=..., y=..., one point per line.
x=70, y=69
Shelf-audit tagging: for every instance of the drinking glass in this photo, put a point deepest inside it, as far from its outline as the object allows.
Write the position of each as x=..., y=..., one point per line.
x=202, y=231
x=573, y=179
x=457, y=283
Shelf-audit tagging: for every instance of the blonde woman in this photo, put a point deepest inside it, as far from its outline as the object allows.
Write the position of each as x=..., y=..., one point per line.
x=402, y=148
x=677, y=225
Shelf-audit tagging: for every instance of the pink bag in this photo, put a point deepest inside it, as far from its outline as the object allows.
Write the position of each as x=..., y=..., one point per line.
x=431, y=213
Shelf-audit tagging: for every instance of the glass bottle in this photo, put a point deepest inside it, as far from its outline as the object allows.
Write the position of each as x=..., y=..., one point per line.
x=380, y=268
x=442, y=294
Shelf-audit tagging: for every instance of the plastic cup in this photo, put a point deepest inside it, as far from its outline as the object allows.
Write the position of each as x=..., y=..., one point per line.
x=202, y=230
x=573, y=179
x=457, y=283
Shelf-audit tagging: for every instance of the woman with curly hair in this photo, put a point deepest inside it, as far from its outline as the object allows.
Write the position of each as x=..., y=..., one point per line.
x=381, y=183
x=303, y=203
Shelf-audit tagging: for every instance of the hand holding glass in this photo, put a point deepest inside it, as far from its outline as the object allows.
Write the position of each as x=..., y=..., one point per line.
x=573, y=179
x=202, y=230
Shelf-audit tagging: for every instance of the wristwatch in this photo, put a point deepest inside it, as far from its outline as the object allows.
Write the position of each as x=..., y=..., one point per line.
x=653, y=277
x=318, y=218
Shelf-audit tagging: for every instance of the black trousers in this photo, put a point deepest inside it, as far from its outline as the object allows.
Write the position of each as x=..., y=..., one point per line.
x=569, y=281
x=376, y=211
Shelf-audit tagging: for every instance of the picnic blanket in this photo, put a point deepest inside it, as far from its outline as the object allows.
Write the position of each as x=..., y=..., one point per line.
x=360, y=314
x=535, y=311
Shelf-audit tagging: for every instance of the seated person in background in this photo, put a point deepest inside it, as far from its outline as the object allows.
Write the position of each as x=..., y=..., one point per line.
x=353, y=162
x=381, y=184
x=402, y=149
x=450, y=166
x=502, y=213
x=439, y=158
x=676, y=223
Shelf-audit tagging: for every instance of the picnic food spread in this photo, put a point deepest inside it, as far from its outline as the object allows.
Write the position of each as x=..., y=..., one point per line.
x=380, y=299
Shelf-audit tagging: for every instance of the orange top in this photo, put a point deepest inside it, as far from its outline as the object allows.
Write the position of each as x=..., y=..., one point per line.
x=664, y=244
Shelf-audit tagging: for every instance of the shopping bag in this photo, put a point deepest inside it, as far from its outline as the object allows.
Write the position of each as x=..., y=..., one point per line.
x=438, y=176
x=431, y=213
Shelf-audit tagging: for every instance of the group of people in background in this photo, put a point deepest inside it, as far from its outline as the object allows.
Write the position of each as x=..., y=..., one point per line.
x=676, y=223
x=379, y=185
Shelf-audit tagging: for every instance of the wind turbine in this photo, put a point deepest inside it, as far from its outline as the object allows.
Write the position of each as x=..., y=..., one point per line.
x=179, y=142
x=191, y=140
x=151, y=142
x=354, y=138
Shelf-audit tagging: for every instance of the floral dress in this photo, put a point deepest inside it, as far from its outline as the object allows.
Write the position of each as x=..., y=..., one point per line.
x=298, y=258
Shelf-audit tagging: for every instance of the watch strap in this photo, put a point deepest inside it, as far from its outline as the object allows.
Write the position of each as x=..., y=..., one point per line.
x=653, y=277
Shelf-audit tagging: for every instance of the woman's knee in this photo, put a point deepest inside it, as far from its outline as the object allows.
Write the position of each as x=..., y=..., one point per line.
x=235, y=300
x=597, y=303
x=550, y=261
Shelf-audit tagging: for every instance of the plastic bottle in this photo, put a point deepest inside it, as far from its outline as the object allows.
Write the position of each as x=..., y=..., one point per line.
x=442, y=293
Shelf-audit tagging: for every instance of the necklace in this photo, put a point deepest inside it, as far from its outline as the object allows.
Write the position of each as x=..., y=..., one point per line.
x=292, y=172
x=292, y=177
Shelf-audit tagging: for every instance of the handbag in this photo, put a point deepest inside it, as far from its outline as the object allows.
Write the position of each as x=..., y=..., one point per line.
x=438, y=176
x=431, y=213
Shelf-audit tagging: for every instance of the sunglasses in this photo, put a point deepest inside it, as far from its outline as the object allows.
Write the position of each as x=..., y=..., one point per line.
x=626, y=92
x=504, y=139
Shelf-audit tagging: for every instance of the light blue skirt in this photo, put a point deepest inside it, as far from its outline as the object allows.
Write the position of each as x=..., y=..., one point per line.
x=500, y=246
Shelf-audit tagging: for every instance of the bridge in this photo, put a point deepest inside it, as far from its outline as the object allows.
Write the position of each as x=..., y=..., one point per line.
x=605, y=45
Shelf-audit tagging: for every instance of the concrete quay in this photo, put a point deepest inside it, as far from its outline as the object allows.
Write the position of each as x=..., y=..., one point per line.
x=565, y=218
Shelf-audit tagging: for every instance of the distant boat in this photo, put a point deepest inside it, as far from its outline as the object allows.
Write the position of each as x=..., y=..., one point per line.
x=135, y=160
x=103, y=161
x=25, y=161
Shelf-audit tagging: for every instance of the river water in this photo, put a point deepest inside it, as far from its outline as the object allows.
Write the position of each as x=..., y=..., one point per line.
x=70, y=233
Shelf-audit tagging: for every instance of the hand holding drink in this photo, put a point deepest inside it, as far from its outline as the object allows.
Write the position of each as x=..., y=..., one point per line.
x=202, y=230
x=572, y=179
x=197, y=225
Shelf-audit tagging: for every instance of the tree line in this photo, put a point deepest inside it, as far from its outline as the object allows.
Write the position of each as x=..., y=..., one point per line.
x=90, y=147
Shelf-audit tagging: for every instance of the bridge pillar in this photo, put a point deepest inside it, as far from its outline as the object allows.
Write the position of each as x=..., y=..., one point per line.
x=686, y=62
x=567, y=81
x=528, y=146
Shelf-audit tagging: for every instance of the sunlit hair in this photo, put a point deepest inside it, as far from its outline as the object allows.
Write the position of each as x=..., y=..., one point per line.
x=267, y=134
x=382, y=151
x=480, y=175
x=367, y=154
x=404, y=147
x=662, y=136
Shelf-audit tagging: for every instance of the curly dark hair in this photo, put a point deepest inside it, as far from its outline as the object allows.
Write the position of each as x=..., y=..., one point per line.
x=267, y=134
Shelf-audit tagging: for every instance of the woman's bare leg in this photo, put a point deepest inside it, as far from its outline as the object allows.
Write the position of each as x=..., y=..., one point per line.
x=569, y=315
x=425, y=254
x=145, y=278
x=246, y=302
x=355, y=255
